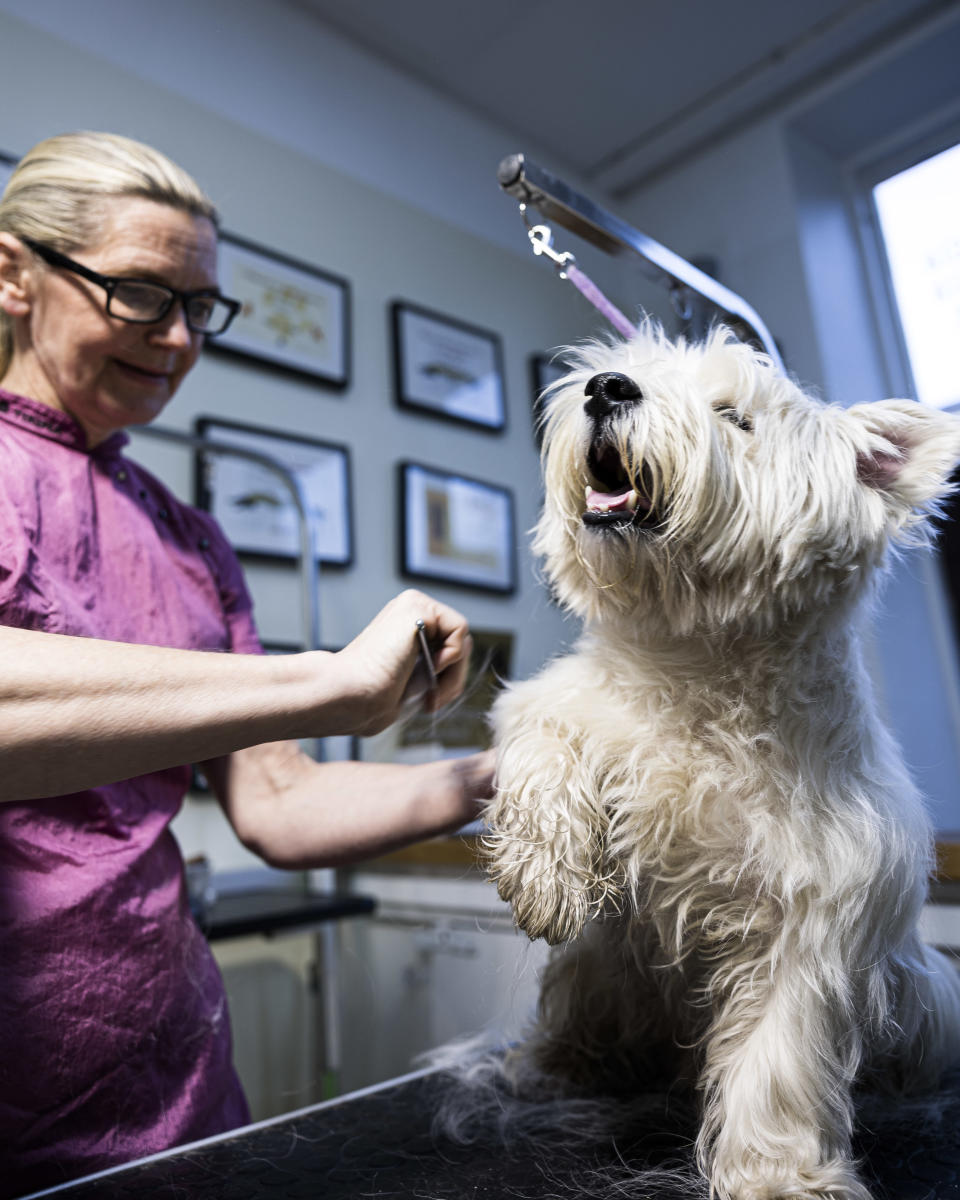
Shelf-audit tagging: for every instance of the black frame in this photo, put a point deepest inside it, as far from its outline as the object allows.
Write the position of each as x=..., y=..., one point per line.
x=232, y=343
x=204, y=498
x=454, y=327
x=506, y=588
x=6, y=160
x=110, y=284
x=544, y=370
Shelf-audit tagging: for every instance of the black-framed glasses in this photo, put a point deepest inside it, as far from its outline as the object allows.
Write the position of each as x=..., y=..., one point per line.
x=143, y=302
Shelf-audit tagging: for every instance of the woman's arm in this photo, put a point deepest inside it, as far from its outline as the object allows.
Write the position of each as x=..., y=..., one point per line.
x=77, y=712
x=296, y=813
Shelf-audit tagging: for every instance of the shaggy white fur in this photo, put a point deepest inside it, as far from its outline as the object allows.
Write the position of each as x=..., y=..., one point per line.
x=701, y=801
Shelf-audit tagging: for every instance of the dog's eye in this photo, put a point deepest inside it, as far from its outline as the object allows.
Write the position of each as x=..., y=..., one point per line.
x=729, y=413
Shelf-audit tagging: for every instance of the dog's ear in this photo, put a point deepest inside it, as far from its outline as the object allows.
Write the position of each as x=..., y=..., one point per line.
x=907, y=452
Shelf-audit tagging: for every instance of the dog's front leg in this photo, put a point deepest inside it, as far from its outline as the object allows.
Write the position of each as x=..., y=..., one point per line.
x=779, y=1068
x=546, y=826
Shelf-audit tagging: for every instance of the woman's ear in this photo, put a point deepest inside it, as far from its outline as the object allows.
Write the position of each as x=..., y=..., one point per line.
x=15, y=276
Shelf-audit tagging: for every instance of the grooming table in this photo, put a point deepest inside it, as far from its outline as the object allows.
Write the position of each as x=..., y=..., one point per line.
x=378, y=1143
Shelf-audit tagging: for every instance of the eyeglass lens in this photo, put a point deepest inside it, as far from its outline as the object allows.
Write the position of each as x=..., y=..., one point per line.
x=136, y=301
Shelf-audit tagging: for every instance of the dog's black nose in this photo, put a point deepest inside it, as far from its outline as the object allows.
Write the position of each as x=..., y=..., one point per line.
x=605, y=391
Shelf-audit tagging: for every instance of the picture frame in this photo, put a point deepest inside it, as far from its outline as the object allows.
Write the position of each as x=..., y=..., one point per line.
x=294, y=316
x=545, y=369
x=7, y=163
x=447, y=368
x=254, y=508
x=455, y=529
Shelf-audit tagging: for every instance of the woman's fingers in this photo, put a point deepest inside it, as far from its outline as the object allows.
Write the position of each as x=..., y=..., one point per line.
x=450, y=679
x=389, y=661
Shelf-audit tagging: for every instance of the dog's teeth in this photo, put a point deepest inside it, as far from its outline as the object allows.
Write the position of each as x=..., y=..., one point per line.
x=632, y=501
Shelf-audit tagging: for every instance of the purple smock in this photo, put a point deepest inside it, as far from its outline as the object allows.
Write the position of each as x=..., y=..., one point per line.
x=114, y=1034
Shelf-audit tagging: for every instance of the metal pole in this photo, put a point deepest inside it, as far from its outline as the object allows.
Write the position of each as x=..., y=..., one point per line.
x=530, y=184
x=309, y=570
x=327, y=1025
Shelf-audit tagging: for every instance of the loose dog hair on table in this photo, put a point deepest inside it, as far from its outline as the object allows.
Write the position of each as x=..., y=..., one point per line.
x=700, y=804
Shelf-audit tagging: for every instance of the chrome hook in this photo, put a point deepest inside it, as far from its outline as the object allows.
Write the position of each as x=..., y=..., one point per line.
x=541, y=240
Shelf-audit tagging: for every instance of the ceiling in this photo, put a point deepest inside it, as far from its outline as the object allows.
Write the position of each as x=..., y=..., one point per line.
x=623, y=89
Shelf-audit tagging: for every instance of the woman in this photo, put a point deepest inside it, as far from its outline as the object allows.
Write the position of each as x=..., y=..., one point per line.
x=114, y=1040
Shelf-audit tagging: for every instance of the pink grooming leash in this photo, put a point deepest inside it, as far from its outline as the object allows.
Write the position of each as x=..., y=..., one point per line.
x=541, y=239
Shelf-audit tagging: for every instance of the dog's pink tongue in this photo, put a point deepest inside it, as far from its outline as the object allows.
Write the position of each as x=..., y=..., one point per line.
x=610, y=501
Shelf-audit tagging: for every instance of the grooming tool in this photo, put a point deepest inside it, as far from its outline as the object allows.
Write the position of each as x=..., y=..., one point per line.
x=426, y=655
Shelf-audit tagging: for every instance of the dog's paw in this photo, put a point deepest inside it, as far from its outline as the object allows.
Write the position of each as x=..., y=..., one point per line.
x=552, y=898
x=544, y=908
x=545, y=845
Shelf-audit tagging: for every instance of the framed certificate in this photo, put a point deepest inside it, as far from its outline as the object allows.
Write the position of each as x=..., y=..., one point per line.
x=456, y=529
x=7, y=163
x=447, y=368
x=253, y=505
x=294, y=315
x=544, y=370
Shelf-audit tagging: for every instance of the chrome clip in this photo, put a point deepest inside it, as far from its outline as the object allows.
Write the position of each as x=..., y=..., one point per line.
x=541, y=240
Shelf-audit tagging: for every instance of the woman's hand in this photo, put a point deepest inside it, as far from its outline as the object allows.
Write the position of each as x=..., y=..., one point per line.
x=379, y=670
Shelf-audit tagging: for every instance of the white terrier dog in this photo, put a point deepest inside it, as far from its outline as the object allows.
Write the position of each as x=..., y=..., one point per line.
x=702, y=800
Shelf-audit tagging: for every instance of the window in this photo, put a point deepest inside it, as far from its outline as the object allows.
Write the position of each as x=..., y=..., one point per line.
x=918, y=211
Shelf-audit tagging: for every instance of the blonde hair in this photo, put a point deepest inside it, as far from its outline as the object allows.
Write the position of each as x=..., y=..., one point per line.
x=54, y=195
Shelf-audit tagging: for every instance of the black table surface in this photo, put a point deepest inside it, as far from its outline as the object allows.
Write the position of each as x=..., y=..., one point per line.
x=380, y=1143
x=240, y=914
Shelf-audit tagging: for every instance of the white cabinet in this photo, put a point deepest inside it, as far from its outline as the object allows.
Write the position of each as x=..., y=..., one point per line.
x=438, y=960
x=274, y=1018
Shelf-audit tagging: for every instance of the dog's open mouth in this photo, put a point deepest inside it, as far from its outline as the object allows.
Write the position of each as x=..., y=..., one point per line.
x=616, y=501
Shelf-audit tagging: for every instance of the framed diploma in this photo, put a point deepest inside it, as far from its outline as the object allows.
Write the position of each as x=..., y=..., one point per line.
x=253, y=505
x=456, y=529
x=447, y=368
x=294, y=315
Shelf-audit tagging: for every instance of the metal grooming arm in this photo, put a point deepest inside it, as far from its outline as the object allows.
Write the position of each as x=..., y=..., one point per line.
x=308, y=567
x=557, y=202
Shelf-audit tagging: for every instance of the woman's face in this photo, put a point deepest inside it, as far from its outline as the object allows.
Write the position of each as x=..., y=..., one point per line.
x=107, y=373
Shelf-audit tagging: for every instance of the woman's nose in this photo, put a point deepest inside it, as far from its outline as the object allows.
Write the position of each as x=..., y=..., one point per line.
x=173, y=330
